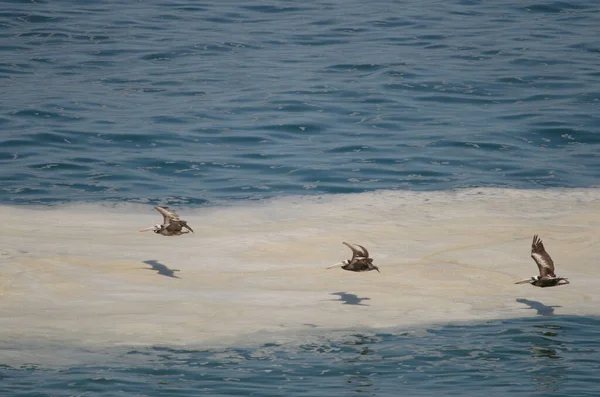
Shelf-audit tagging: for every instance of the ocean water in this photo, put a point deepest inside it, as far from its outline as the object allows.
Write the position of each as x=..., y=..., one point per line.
x=441, y=135
x=539, y=356
x=201, y=102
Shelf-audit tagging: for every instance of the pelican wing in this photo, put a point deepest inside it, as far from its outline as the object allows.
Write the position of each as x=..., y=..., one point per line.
x=178, y=225
x=364, y=250
x=168, y=215
x=184, y=224
x=360, y=252
x=174, y=226
x=542, y=258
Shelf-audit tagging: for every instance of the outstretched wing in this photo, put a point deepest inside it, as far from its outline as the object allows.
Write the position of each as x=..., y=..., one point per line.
x=357, y=250
x=178, y=225
x=542, y=258
x=168, y=215
x=365, y=253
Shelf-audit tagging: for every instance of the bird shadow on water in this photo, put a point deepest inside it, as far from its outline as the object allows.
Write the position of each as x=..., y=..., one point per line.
x=163, y=270
x=539, y=307
x=349, y=299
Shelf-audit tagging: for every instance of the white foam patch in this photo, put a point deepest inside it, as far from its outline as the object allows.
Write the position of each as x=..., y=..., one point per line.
x=82, y=274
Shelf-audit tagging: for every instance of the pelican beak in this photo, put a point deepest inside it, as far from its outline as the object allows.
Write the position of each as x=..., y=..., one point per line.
x=527, y=280
x=147, y=229
x=189, y=228
x=337, y=264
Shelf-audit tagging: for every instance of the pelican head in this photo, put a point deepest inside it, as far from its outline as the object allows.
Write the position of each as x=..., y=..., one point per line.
x=156, y=228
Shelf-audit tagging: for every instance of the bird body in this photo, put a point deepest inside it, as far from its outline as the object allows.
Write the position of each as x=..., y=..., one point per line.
x=545, y=264
x=360, y=261
x=171, y=226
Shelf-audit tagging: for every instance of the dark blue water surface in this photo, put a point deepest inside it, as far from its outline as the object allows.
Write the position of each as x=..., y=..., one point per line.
x=194, y=102
x=547, y=355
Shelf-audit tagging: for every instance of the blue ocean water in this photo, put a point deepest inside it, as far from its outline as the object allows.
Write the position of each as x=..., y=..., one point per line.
x=203, y=102
x=541, y=356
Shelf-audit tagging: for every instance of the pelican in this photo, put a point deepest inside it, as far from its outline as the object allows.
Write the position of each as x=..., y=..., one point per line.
x=360, y=261
x=547, y=278
x=171, y=226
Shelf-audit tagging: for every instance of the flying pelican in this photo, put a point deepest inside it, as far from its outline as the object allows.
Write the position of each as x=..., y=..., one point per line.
x=360, y=261
x=547, y=278
x=171, y=226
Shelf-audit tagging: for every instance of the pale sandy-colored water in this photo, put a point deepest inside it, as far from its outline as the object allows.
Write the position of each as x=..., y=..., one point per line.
x=77, y=274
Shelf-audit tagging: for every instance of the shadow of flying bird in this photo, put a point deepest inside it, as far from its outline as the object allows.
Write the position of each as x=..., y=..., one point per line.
x=539, y=307
x=349, y=299
x=163, y=270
